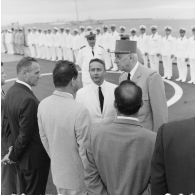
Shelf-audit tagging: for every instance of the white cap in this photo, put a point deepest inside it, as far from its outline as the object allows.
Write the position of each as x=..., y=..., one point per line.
x=55, y=28
x=182, y=29
x=142, y=27
x=154, y=27
x=122, y=27
x=89, y=28
x=168, y=28
x=133, y=30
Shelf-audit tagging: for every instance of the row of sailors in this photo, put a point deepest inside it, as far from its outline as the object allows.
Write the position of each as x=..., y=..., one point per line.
x=12, y=41
x=58, y=44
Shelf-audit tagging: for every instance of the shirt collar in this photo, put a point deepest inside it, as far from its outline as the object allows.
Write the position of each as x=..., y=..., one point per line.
x=102, y=85
x=128, y=117
x=63, y=94
x=132, y=72
x=23, y=83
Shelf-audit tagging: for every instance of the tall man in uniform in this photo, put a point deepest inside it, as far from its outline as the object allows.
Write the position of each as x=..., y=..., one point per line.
x=21, y=107
x=154, y=111
x=154, y=48
x=98, y=97
x=167, y=52
x=181, y=53
x=143, y=44
x=191, y=55
x=88, y=52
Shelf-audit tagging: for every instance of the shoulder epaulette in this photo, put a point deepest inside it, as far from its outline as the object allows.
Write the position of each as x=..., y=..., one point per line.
x=83, y=46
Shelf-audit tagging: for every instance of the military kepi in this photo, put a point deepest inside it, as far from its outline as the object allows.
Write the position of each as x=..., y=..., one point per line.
x=125, y=46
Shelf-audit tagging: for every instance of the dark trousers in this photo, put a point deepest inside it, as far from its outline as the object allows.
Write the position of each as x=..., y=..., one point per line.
x=33, y=182
x=8, y=179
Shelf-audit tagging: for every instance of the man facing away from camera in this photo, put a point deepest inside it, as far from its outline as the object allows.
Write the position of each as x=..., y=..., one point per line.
x=120, y=152
x=64, y=126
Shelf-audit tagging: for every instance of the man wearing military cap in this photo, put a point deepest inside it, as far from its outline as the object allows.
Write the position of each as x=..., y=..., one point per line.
x=154, y=43
x=191, y=55
x=133, y=36
x=89, y=51
x=167, y=51
x=122, y=30
x=142, y=43
x=181, y=54
x=154, y=111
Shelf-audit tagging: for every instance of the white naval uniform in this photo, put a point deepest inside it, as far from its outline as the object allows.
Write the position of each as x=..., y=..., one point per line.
x=85, y=55
x=3, y=45
x=154, y=49
x=76, y=45
x=113, y=37
x=181, y=54
x=89, y=97
x=167, y=49
x=67, y=50
x=9, y=42
x=191, y=56
x=99, y=39
x=59, y=37
x=33, y=45
x=142, y=44
x=29, y=43
x=105, y=41
x=53, y=47
x=133, y=38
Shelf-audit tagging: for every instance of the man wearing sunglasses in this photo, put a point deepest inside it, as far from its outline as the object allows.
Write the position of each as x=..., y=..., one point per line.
x=90, y=51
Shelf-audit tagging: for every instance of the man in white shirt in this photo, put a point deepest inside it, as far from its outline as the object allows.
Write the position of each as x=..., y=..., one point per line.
x=142, y=43
x=154, y=48
x=181, y=54
x=76, y=45
x=88, y=52
x=98, y=97
x=191, y=55
x=67, y=48
x=98, y=36
x=167, y=51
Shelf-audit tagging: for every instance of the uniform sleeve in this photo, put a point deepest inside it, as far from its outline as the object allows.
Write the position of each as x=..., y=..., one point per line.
x=95, y=185
x=158, y=101
x=42, y=134
x=158, y=177
x=27, y=127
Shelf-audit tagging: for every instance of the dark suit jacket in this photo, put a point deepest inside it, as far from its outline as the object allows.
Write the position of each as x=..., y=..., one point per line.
x=5, y=130
x=173, y=164
x=119, y=158
x=21, y=107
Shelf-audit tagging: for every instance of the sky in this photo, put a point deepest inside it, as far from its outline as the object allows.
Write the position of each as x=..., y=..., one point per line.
x=31, y=11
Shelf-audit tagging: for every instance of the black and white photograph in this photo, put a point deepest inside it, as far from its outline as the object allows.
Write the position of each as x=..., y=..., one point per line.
x=97, y=97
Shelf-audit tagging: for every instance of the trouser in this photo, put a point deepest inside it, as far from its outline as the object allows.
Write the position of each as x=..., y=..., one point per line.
x=67, y=54
x=8, y=179
x=154, y=62
x=21, y=49
x=167, y=65
x=62, y=191
x=53, y=53
x=48, y=52
x=59, y=53
x=182, y=68
x=39, y=51
x=33, y=182
x=192, y=69
x=76, y=51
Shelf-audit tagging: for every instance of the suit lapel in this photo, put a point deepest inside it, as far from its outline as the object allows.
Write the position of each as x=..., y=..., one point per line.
x=138, y=74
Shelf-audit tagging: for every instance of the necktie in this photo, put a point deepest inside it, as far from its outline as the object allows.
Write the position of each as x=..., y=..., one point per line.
x=101, y=98
x=129, y=76
x=92, y=51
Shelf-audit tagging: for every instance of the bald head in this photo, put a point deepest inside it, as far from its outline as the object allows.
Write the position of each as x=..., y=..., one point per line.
x=128, y=98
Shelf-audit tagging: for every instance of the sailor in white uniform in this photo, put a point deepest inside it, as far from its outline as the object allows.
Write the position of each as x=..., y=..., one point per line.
x=142, y=43
x=191, y=55
x=167, y=52
x=154, y=48
x=88, y=52
x=133, y=36
x=181, y=53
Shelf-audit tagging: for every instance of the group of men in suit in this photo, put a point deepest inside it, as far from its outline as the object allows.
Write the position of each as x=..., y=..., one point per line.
x=102, y=142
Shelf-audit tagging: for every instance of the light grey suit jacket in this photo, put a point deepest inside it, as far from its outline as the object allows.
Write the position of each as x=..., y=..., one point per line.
x=64, y=126
x=154, y=111
x=119, y=158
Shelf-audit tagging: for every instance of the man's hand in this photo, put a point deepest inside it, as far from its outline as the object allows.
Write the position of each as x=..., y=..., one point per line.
x=6, y=159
